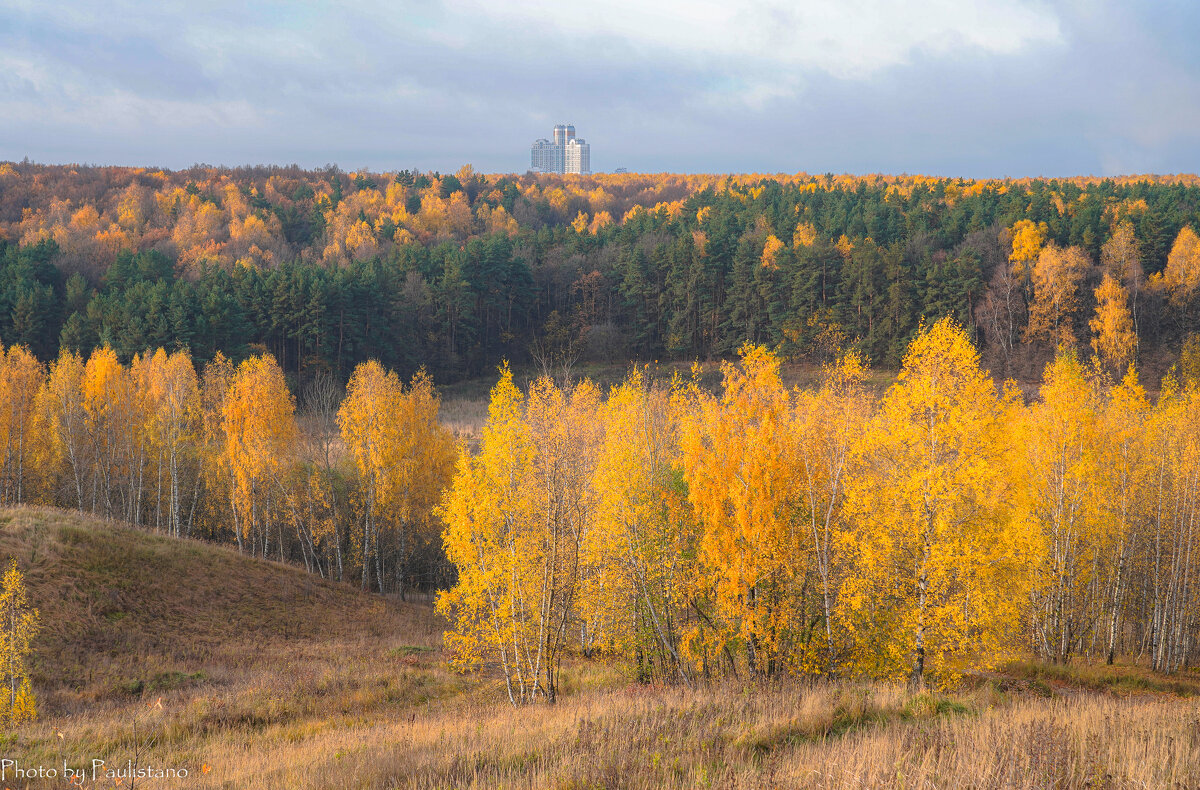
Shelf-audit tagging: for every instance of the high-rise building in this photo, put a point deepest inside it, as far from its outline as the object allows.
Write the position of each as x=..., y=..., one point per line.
x=563, y=133
x=577, y=157
x=546, y=157
x=566, y=153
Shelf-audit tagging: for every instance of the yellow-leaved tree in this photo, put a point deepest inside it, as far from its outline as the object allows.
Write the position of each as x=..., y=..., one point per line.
x=565, y=429
x=492, y=541
x=18, y=627
x=1171, y=536
x=368, y=426
x=1027, y=239
x=404, y=459
x=936, y=555
x=740, y=463
x=259, y=430
x=637, y=566
x=111, y=422
x=1121, y=257
x=1113, y=336
x=1123, y=481
x=1181, y=276
x=217, y=476
x=425, y=465
x=1061, y=443
x=173, y=427
x=63, y=419
x=829, y=424
x=20, y=379
x=1056, y=278
x=516, y=518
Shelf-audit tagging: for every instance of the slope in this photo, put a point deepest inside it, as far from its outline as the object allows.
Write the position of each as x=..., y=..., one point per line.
x=126, y=612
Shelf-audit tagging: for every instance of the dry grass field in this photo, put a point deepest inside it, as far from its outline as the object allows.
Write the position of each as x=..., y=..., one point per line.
x=252, y=674
x=465, y=403
x=464, y=407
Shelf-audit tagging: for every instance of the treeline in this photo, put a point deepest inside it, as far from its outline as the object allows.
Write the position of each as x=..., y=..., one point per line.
x=312, y=319
x=760, y=530
x=750, y=531
x=345, y=485
x=326, y=269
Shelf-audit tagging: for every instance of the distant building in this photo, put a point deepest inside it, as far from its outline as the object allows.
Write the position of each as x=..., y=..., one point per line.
x=577, y=157
x=546, y=157
x=564, y=154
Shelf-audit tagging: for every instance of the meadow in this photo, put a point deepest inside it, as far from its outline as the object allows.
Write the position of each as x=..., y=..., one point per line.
x=255, y=674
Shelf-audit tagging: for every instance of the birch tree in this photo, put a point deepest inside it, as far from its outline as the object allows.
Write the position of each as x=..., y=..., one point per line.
x=259, y=426
x=20, y=379
x=936, y=554
x=18, y=627
x=62, y=413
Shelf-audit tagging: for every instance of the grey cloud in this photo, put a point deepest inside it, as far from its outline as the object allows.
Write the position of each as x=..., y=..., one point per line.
x=389, y=86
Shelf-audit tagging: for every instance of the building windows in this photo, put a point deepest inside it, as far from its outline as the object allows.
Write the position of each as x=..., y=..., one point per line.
x=565, y=154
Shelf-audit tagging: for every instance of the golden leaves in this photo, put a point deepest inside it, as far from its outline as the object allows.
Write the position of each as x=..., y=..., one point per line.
x=1181, y=277
x=18, y=627
x=401, y=452
x=1113, y=336
x=1027, y=240
x=259, y=430
x=805, y=235
x=935, y=549
x=1056, y=278
x=20, y=381
x=770, y=253
x=845, y=247
x=738, y=459
x=700, y=524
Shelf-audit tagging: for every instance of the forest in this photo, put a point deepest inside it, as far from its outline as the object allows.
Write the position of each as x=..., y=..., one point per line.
x=326, y=269
x=749, y=529
x=249, y=356
x=761, y=530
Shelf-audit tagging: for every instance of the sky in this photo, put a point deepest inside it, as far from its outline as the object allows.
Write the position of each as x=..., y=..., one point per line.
x=970, y=88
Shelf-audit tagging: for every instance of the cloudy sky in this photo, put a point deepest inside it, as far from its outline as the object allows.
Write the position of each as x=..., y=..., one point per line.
x=945, y=87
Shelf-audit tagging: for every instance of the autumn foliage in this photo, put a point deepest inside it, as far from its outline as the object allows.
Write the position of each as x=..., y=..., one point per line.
x=175, y=345
x=749, y=530
x=761, y=530
x=326, y=269
x=19, y=624
x=225, y=454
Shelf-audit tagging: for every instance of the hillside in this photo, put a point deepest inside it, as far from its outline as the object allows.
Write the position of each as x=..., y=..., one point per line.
x=453, y=273
x=125, y=611
x=253, y=674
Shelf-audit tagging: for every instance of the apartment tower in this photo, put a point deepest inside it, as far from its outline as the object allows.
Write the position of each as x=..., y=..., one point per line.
x=564, y=153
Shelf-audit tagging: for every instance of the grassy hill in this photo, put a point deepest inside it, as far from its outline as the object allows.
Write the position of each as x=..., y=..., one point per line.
x=253, y=674
x=124, y=610
x=186, y=653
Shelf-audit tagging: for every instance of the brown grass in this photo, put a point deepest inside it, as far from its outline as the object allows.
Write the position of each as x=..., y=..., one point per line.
x=120, y=606
x=464, y=416
x=726, y=736
x=274, y=679
x=1119, y=679
x=465, y=403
